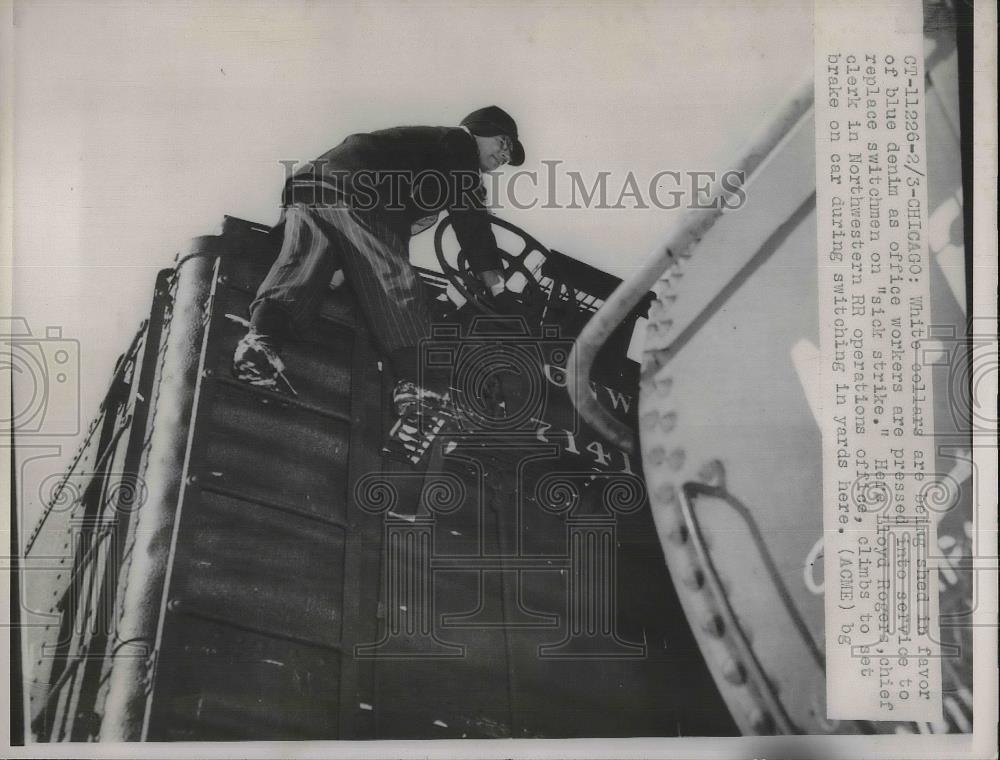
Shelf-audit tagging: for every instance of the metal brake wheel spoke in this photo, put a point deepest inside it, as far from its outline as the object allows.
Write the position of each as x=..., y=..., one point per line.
x=466, y=282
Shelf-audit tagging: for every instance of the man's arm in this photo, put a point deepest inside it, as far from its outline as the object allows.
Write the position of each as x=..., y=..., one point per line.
x=467, y=209
x=475, y=236
x=481, y=249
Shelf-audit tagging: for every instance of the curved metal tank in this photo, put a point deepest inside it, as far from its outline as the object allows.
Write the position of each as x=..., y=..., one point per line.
x=730, y=441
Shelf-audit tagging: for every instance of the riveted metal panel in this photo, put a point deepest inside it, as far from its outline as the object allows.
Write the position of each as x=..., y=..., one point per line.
x=268, y=545
x=473, y=602
x=551, y=611
x=732, y=444
x=261, y=567
x=227, y=683
x=74, y=555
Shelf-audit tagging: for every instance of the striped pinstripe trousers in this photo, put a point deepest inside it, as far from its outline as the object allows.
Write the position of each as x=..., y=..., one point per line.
x=318, y=241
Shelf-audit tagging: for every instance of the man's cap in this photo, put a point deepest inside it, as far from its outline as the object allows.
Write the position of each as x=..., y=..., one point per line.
x=492, y=121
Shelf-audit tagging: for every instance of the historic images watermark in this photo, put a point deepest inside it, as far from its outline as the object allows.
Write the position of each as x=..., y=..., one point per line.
x=557, y=187
x=518, y=449
x=553, y=186
x=414, y=627
x=44, y=375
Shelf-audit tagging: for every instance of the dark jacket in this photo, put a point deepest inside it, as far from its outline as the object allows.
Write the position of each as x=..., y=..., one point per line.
x=402, y=178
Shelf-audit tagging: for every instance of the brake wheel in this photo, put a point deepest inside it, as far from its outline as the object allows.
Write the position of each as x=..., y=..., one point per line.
x=456, y=268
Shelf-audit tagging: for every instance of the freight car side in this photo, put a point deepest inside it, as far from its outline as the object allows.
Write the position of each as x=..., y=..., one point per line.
x=72, y=558
x=284, y=579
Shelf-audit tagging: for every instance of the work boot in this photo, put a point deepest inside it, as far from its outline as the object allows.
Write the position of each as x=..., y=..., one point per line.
x=255, y=363
x=422, y=416
x=412, y=400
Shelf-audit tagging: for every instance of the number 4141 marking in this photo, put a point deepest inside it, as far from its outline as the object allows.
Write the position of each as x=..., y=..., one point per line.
x=546, y=433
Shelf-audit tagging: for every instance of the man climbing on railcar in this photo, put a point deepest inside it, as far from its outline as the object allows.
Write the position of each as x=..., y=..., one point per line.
x=354, y=209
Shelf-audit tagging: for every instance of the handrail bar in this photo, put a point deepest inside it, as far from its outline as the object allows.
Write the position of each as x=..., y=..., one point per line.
x=679, y=244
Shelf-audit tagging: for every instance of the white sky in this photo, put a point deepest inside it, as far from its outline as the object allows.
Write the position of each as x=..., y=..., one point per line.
x=137, y=125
